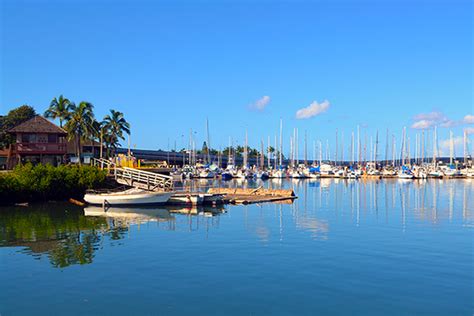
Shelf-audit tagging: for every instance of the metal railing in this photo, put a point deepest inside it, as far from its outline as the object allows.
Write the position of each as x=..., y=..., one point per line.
x=103, y=163
x=143, y=179
x=135, y=177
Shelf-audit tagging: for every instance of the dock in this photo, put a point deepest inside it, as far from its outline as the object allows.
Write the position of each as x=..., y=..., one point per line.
x=252, y=196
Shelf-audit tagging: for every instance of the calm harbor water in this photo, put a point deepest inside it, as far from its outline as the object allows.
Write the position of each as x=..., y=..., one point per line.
x=386, y=247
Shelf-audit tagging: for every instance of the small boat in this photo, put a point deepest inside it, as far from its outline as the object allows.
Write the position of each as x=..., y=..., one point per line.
x=435, y=174
x=260, y=174
x=227, y=175
x=405, y=175
x=279, y=174
x=206, y=174
x=132, y=196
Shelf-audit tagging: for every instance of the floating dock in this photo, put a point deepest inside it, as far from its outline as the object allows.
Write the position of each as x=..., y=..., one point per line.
x=251, y=196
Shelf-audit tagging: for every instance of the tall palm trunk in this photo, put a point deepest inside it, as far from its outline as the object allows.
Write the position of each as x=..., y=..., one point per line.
x=78, y=148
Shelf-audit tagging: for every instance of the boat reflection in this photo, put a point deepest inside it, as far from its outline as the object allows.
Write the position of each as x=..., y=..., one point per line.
x=67, y=235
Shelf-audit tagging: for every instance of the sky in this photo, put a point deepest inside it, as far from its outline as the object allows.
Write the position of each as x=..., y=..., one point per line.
x=320, y=66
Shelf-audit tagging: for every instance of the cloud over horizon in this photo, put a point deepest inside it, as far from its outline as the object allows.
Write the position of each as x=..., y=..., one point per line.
x=444, y=146
x=436, y=118
x=313, y=109
x=428, y=120
x=468, y=119
x=469, y=130
x=260, y=104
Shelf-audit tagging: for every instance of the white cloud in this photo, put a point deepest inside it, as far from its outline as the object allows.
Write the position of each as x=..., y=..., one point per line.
x=469, y=130
x=313, y=109
x=445, y=146
x=469, y=119
x=431, y=116
x=431, y=119
x=422, y=124
x=260, y=104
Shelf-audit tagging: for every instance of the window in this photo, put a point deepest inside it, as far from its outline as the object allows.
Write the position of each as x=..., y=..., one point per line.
x=28, y=138
x=25, y=138
x=42, y=138
x=52, y=138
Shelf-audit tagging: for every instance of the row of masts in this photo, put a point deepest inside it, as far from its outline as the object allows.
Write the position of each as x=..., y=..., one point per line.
x=359, y=149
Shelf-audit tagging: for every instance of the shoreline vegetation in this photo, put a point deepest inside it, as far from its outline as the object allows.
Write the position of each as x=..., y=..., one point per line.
x=38, y=183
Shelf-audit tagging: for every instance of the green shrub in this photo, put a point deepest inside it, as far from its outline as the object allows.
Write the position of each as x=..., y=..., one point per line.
x=28, y=183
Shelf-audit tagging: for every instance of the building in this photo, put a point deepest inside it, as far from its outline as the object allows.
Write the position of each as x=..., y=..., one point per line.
x=37, y=140
x=89, y=149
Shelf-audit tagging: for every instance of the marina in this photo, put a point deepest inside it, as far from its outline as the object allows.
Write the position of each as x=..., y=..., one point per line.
x=236, y=157
x=341, y=241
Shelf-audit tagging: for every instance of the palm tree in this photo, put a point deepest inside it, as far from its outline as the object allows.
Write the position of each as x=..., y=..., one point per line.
x=80, y=124
x=115, y=125
x=58, y=108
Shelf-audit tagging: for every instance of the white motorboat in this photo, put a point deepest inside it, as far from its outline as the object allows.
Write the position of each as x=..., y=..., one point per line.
x=279, y=174
x=206, y=174
x=405, y=176
x=132, y=196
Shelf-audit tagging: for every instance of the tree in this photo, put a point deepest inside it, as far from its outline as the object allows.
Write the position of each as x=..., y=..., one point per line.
x=114, y=125
x=80, y=124
x=58, y=108
x=12, y=119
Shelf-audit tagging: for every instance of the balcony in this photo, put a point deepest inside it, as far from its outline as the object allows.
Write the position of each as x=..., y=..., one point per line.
x=41, y=148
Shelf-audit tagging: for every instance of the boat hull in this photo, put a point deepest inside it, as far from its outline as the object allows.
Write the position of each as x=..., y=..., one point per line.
x=151, y=198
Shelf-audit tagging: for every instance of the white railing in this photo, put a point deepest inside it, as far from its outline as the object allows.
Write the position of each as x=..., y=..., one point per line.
x=151, y=180
x=103, y=163
x=135, y=177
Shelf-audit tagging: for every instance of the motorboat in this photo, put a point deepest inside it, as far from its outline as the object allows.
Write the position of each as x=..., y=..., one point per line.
x=132, y=196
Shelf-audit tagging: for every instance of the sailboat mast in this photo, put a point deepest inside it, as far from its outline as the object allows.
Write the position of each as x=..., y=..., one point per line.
x=451, y=147
x=275, y=154
x=208, y=142
x=320, y=153
x=386, y=148
x=465, y=148
x=423, y=147
x=296, y=149
x=359, y=154
x=335, y=154
x=314, y=152
x=305, y=148
x=246, y=151
x=352, y=148
x=342, y=147
x=281, y=141
x=394, y=150
x=269, y=162
x=402, y=156
x=435, y=146
x=375, y=149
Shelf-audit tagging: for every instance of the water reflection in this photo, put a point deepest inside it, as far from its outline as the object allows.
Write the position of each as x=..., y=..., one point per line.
x=68, y=235
x=59, y=232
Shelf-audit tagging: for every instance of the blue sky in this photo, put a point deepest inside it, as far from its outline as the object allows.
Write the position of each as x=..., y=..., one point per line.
x=169, y=65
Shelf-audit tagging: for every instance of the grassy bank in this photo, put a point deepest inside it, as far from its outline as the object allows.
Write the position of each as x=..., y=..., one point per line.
x=28, y=183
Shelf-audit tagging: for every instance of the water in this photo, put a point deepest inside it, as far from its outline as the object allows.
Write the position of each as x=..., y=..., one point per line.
x=342, y=248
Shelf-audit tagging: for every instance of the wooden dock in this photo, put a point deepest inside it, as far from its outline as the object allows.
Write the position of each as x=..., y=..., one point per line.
x=251, y=196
